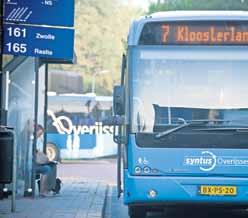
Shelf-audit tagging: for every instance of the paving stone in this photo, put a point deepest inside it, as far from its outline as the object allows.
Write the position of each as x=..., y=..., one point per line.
x=77, y=200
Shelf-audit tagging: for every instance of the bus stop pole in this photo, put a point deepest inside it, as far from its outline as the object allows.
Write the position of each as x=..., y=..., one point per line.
x=5, y=100
x=14, y=176
x=4, y=93
x=1, y=71
x=1, y=65
x=45, y=107
x=36, y=105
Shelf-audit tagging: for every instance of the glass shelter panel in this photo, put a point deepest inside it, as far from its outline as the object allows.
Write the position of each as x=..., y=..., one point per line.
x=21, y=117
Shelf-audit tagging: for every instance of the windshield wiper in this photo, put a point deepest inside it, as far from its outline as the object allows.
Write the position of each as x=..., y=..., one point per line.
x=238, y=129
x=169, y=131
x=186, y=124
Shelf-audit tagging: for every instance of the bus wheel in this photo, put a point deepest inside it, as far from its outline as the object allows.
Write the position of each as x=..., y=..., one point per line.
x=52, y=152
x=136, y=212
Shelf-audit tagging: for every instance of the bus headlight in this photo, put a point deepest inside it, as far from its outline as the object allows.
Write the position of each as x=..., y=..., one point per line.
x=152, y=194
x=147, y=170
x=137, y=170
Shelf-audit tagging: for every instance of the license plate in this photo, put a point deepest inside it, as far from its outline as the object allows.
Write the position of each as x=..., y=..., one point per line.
x=218, y=190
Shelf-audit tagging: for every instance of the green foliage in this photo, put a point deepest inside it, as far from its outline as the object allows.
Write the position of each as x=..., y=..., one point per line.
x=169, y=5
x=101, y=28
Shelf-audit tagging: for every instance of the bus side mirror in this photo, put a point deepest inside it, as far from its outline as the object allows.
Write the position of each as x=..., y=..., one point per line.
x=119, y=100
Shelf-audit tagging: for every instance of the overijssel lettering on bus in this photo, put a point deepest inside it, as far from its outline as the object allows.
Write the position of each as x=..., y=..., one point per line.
x=64, y=125
x=81, y=129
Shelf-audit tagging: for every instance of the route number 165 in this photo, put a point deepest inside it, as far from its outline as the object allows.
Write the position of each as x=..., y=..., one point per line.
x=17, y=47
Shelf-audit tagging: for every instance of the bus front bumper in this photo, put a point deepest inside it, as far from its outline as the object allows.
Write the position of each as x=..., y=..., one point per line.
x=175, y=190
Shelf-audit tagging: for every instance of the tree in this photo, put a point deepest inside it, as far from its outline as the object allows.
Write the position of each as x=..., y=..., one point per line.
x=168, y=5
x=101, y=28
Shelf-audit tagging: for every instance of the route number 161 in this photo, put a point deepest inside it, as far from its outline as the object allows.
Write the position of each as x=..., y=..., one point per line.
x=17, y=32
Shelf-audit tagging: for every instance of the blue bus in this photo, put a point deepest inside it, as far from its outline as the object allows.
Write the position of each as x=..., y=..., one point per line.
x=181, y=111
x=79, y=127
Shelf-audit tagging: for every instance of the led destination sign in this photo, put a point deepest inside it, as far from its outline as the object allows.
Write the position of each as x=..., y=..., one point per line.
x=195, y=33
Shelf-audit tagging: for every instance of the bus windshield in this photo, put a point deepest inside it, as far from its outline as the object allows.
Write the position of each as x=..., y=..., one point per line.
x=181, y=83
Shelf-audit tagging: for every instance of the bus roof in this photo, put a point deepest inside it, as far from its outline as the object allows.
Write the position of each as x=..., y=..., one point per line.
x=200, y=14
x=71, y=103
x=78, y=103
x=138, y=24
x=104, y=98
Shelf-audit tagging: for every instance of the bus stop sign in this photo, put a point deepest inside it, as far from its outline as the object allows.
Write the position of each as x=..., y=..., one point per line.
x=40, y=12
x=37, y=41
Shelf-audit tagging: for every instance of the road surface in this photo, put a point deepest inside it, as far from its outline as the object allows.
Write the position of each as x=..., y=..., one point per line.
x=103, y=170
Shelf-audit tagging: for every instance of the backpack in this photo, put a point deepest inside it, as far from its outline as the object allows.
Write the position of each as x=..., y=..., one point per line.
x=57, y=186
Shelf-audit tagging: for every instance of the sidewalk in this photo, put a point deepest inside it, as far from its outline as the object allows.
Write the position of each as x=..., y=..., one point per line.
x=77, y=200
x=115, y=207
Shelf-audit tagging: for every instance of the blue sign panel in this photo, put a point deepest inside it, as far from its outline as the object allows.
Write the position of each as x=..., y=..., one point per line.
x=41, y=12
x=42, y=42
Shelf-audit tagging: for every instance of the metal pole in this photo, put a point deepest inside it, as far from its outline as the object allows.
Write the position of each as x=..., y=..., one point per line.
x=4, y=94
x=5, y=100
x=93, y=87
x=37, y=65
x=1, y=89
x=45, y=107
x=1, y=24
x=13, y=199
x=2, y=114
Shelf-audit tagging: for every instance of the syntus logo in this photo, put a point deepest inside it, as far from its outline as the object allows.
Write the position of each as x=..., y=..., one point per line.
x=207, y=161
x=64, y=125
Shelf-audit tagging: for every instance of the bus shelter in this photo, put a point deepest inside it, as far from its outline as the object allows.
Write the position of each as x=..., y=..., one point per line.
x=24, y=103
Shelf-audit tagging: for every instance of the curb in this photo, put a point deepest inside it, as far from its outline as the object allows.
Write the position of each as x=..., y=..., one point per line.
x=105, y=202
x=98, y=205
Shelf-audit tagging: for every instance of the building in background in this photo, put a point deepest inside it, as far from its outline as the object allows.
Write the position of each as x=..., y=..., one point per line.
x=62, y=82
